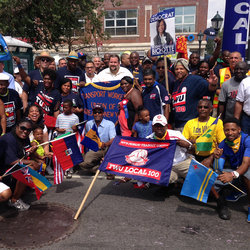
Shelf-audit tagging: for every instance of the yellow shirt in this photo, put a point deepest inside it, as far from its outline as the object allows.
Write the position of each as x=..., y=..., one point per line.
x=193, y=129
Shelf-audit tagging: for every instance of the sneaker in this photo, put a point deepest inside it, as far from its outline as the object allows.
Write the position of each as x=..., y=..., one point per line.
x=248, y=216
x=49, y=170
x=19, y=205
x=235, y=196
x=68, y=174
x=223, y=210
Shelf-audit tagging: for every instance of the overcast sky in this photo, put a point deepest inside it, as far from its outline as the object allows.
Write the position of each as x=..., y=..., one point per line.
x=213, y=7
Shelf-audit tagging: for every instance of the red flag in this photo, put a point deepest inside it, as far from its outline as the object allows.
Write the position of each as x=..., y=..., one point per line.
x=49, y=121
x=24, y=176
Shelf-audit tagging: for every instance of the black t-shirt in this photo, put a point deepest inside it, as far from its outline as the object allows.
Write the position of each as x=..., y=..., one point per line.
x=32, y=90
x=12, y=103
x=76, y=77
x=48, y=101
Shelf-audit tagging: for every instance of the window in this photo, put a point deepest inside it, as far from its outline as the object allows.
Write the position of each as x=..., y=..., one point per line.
x=184, y=18
x=121, y=22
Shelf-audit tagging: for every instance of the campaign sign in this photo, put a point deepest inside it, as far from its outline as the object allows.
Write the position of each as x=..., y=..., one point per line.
x=140, y=159
x=162, y=32
x=107, y=94
x=236, y=26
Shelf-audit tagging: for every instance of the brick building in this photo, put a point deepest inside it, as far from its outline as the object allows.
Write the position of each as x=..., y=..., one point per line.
x=128, y=24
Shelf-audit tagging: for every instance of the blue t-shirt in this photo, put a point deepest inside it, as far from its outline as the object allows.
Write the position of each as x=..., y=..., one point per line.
x=143, y=129
x=137, y=72
x=76, y=77
x=236, y=158
x=171, y=81
x=75, y=98
x=185, y=97
x=33, y=89
x=154, y=98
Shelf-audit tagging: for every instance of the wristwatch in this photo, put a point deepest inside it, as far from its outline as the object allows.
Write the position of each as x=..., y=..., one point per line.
x=235, y=174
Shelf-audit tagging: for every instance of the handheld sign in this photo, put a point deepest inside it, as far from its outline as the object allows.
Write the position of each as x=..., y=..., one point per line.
x=162, y=32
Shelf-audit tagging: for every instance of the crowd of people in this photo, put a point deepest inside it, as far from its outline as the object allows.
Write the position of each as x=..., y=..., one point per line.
x=196, y=93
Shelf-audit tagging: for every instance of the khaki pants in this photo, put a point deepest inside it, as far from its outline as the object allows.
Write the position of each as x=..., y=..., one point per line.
x=92, y=159
x=179, y=170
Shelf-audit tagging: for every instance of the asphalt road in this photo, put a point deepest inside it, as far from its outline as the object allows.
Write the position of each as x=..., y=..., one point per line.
x=121, y=217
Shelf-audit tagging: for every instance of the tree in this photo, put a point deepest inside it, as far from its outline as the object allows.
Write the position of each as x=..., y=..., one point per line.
x=52, y=23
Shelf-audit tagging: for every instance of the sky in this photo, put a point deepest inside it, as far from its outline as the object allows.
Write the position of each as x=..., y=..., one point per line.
x=213, y=7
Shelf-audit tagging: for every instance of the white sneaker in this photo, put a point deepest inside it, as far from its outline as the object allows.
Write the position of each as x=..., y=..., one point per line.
x=19, y=205
x=68, y=174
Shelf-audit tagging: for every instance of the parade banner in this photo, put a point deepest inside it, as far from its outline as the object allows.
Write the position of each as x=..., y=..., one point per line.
x=236, y=25
x=162, y=32
x=140, y=159
x=107, y=94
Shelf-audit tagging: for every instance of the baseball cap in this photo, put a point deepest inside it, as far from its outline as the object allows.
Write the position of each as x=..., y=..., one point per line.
x=146, y=59
x=98, y=106
x=161, y=119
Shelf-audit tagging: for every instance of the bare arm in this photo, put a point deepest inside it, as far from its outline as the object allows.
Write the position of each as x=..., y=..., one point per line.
x=212, y=80
x=238, y=109
x=3, y=117
x=24, y=98
x=166, y=111
x=221, y=108
x=216, y=52
x=22, y=73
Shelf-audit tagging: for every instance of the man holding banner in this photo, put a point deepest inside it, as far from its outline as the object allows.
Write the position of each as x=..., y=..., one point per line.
x=99, y=134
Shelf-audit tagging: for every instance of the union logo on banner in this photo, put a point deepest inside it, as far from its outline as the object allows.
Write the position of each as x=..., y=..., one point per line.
x=137, y=157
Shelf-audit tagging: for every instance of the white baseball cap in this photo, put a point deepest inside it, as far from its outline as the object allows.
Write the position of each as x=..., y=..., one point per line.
x=4, y=77
x=161, y=119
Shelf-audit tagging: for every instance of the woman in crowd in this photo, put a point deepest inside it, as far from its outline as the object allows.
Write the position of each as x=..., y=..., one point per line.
x=67, y=94
x=203, y=69
x=128, y=106
x=49, y=98
x=35, y=114
x=12, y=151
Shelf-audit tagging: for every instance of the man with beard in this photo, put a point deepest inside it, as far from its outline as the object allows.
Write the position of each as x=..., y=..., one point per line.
x=114, y=71
x=229, y=90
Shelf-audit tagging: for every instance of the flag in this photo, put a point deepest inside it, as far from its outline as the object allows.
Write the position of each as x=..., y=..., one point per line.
x=58, y=171
x=205, y=141
x=92, y=140
x=32, y=179
x=80, y=135
x=198, y=182
x=4, y=56
x=141, y=159
x=67, y=151
x=49, y=121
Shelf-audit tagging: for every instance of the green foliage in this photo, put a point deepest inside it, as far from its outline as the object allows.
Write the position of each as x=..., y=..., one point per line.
x=50, y=23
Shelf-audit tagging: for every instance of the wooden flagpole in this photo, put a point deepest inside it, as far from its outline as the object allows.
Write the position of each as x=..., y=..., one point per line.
x=86, y=195
x=44, y=143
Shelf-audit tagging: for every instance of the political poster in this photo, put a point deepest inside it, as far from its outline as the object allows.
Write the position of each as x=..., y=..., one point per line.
x=236, y=26
x=162, y=32
x=107, y=94
x=144, y=160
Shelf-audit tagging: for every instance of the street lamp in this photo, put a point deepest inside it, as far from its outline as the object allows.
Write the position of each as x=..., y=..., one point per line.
x=217, y=22
x=200, y=37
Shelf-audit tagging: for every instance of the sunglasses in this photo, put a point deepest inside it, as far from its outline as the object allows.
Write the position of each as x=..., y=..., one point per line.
x=205, y=107
x=97, y=112
x=23, y=128
x=45, y=59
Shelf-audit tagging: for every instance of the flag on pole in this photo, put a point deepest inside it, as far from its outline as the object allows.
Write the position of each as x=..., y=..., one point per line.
x=198, y=182
x=32, y=179
x=67, y=151
x=5, y=55
x=204, y=143
x=92, y=140
x=144, y=160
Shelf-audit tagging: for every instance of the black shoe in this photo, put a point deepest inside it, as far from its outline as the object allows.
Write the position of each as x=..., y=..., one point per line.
x=223, y=211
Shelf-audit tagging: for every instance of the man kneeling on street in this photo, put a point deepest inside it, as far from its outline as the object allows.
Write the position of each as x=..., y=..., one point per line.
x=236, y=149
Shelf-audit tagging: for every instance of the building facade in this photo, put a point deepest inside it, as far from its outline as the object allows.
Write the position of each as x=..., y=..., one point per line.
x=128, y=24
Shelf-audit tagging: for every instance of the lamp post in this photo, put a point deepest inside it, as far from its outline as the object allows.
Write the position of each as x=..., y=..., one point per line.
x=217, y=22
x=200, y=37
